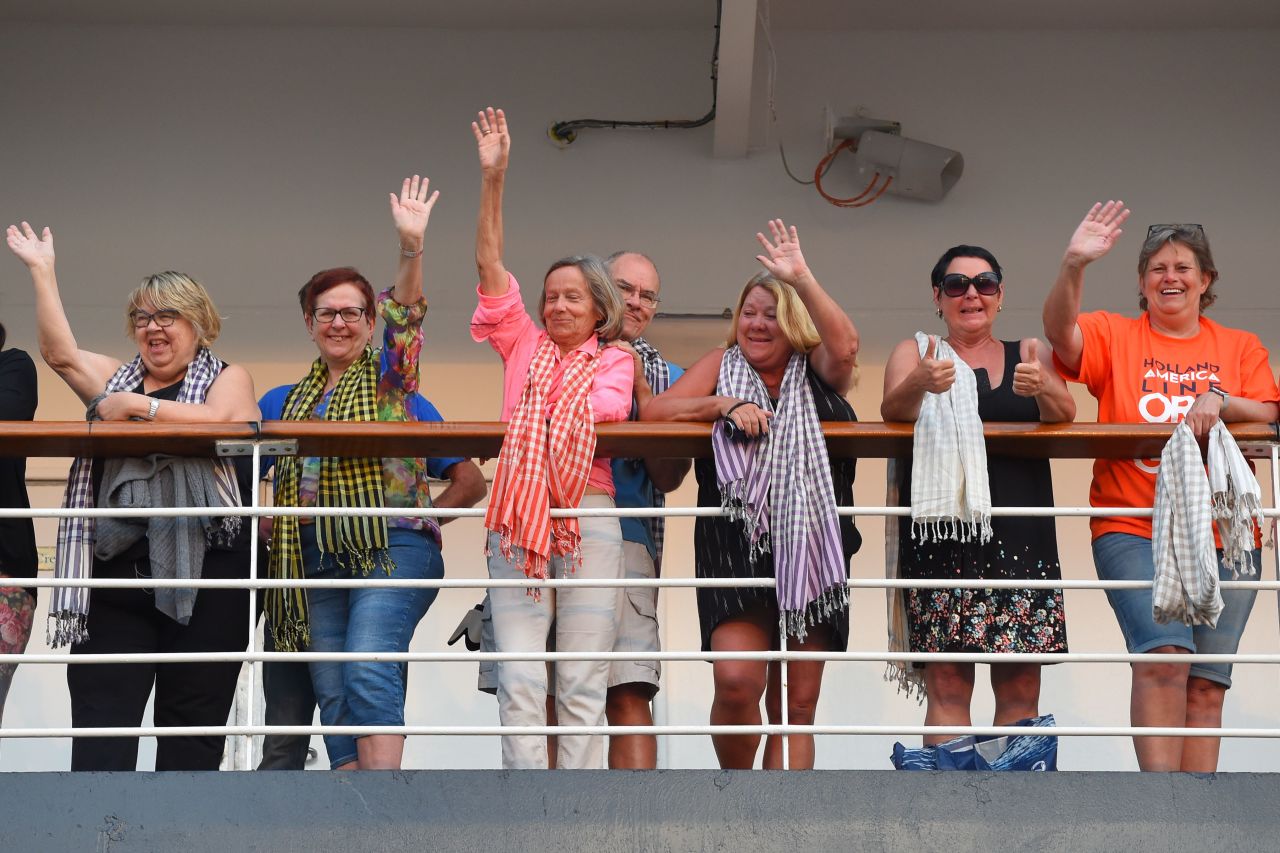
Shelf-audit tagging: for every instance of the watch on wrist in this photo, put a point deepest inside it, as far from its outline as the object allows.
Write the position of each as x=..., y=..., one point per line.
x=1221, y=392
x=154, y=407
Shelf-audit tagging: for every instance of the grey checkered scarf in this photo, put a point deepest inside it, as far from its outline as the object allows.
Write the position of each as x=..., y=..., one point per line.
x=950, y=493
x=657, y=374
x=1186, y=566
x=69, y=610
x=780, y=486
x=1236, y=500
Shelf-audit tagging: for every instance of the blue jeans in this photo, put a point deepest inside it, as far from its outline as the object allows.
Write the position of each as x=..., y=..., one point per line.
x=363, y=693
x=1126, y=557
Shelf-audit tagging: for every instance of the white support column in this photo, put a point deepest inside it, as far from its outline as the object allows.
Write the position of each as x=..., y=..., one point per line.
x=733, y=88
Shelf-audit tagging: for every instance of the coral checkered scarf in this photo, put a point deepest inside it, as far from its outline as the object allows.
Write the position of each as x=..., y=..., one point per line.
x=544, y=463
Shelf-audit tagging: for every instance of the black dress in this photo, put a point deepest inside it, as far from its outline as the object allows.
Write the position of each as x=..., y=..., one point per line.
x=987, y=620
x=720, y=545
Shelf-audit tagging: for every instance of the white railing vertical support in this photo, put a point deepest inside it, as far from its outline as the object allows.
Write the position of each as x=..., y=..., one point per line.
x=254, y=666
x=782, y=694
x=1275, y=503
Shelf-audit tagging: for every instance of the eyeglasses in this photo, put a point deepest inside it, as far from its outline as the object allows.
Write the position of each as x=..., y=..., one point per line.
x=1191, y=229
x=648, y=297
x=164, y=318
x=328, y=315
x=956, y=285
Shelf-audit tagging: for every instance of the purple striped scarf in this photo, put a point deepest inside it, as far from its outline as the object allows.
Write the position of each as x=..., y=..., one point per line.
x=780, y=486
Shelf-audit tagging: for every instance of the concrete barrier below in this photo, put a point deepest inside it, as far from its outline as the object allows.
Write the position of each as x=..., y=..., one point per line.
x=612, y=812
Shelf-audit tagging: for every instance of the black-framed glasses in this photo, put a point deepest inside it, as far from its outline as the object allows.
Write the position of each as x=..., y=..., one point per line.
x=648, y=297
x=328, y=315
x=956, y=285
x=163, y=318
x=1191, y=229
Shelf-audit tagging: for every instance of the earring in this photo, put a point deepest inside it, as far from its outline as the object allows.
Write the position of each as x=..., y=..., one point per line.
x=939, y=313
x=999, y=308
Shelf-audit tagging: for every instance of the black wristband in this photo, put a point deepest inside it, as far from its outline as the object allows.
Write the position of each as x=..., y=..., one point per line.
x=737, y=406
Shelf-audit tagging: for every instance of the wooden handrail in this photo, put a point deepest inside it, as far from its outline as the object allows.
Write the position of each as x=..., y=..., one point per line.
x=483, y=439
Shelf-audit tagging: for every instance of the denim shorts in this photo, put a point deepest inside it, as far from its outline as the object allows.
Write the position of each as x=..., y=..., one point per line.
x=364, y=693
x=1126, y=557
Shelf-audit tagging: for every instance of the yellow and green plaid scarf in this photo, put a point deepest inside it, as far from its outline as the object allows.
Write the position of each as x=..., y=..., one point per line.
x=347, y=482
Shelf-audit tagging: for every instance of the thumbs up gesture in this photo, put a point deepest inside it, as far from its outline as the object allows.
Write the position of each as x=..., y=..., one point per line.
x=1029, y=375
x=935, y=375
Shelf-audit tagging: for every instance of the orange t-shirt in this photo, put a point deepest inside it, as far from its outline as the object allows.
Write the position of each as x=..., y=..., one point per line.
x=1141, y=376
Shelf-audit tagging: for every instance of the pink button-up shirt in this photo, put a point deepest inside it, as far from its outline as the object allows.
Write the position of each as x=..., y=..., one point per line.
x=507, y=326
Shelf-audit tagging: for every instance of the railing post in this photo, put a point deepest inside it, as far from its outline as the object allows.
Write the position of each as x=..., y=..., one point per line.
x=254, y=666
x=782, y=679
x=1275, y=503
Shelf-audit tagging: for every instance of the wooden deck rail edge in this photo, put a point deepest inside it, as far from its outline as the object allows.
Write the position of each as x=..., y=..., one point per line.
x=483, y=439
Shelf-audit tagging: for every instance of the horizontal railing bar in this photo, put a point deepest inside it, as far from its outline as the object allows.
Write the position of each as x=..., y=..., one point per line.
x=483, y=439
x=581, y=512
x=699, y=656
x=374, y=582
x=762, y=729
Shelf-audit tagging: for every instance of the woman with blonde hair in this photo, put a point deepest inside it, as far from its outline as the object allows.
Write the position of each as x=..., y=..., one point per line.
x=174, y=378
x=789, y=359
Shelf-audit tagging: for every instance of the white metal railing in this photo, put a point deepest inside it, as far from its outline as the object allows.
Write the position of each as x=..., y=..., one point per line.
x=255, y=657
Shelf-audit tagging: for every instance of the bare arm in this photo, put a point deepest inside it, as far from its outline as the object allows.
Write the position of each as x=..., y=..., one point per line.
x=908, y=377
x=230, y=399
x=667, y=474
x=466, y=487
x=836, y=357
x=410, y=212
x=1093, y=238
x=85, y=372
x=493, y=143
x=693, y=398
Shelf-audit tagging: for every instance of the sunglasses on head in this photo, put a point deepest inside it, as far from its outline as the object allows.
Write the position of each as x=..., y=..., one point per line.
x=956, y=285
x=1189, y=228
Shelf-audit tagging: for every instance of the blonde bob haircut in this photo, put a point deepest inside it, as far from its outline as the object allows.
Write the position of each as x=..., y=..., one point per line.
x=793, y=318
x=175, y=291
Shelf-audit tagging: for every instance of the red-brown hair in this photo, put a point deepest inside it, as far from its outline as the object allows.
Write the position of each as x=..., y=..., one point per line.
x=329, y=279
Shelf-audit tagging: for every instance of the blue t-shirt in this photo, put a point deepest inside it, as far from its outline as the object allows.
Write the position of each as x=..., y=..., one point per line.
x=420, y=409
x=634, y=489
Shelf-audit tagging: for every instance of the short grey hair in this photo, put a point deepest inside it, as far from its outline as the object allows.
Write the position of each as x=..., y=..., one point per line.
x=1191, y=236
x=603, y=293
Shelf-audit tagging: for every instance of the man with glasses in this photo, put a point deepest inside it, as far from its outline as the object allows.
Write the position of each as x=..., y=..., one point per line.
x=639, y=483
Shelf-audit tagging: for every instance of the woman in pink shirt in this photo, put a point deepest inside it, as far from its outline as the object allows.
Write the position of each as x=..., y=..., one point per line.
x=559, y=381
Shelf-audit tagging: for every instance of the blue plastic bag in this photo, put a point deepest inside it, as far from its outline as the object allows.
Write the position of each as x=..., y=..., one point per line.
x=985, y=752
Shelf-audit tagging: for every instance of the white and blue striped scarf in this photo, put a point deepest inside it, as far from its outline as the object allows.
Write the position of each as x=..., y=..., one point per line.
x=69, y=610
x=780, y=486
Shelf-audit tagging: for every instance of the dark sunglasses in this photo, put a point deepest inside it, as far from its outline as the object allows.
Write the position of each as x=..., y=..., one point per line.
x=956, y=285
x=1189, y=228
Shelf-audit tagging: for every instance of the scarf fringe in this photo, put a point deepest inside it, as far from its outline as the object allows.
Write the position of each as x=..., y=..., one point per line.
x=66, y=628
x=736, y=509
x=832, y=601
x=908, y=681
x=291, y=635
x=941, y=528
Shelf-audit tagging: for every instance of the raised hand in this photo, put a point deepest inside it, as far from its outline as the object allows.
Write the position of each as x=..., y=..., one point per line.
x=935, y=375
x=34, y=251
x=1028, y=376
x=493, y=142
x=411, y=210
x=782, y=256
x=1097, y=232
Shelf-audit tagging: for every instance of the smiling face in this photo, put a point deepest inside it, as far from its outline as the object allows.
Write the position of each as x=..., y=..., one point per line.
x=1172, y=285
x=166, y=350
x=569, y=314
x=635, y=276
x=759, y=335
x=972, y=314
x=340, y=343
